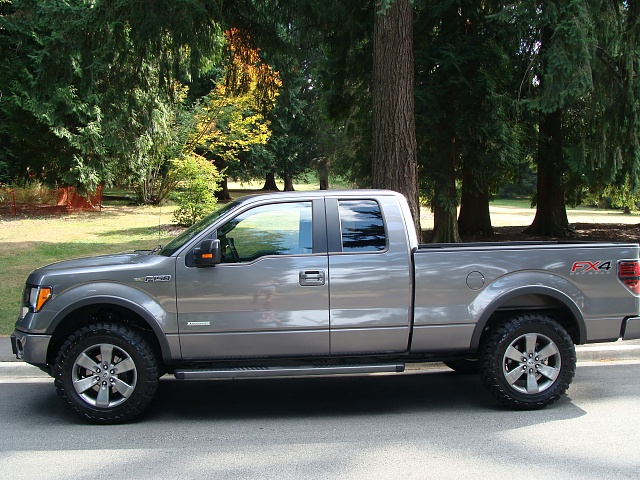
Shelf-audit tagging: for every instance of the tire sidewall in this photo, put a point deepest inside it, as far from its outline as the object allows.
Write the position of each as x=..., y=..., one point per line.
x=492, y=372
x=123, y=338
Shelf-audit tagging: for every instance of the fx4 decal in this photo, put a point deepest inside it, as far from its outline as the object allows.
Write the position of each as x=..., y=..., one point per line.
x=599, y=266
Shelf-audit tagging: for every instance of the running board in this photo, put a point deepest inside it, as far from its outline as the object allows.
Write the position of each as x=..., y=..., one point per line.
x=261, y=372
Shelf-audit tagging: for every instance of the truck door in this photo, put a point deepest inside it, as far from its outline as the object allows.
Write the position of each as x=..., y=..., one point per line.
x=270, y=295
x=370, y=276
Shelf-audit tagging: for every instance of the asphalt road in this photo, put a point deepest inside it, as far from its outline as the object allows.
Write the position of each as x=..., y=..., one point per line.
x=430, y=425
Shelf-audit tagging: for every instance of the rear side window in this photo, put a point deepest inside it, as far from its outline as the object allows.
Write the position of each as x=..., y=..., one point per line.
x=361, y=226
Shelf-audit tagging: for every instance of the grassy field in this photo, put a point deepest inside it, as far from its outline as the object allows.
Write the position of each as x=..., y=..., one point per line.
x=28, y=243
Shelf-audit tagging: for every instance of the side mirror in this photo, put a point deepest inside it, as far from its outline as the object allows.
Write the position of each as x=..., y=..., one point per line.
x=207, y=254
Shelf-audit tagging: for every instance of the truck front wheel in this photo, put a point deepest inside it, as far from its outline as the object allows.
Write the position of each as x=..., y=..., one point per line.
x=107, y=373
x=527, y=362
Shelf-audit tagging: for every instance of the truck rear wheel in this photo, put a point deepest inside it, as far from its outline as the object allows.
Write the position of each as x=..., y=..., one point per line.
x=107, y=373
x=527, y=362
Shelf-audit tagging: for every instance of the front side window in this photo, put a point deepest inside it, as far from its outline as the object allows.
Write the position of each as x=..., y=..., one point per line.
x=276, y=229
x=174, y=245
x=362, y=226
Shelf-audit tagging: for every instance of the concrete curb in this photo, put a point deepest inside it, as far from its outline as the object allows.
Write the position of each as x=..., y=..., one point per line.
x=606, y=352
x=10, y=367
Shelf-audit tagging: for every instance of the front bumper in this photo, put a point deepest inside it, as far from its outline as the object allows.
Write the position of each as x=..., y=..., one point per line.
x=30, y=348
x=631, y=328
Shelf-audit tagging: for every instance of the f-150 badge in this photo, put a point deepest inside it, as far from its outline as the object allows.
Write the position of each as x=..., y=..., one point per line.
x=153, y=278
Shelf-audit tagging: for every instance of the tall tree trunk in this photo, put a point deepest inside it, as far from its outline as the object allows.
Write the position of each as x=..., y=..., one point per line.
x=445, y=227
x=551, y=213
x=394, y=164
x=270, y=183
x=288, y=184
x=444, y=203
x=474, y=215
x=223, y=194
x=322, y=169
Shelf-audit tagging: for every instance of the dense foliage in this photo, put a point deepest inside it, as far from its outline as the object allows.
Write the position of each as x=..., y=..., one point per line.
x=123, y=91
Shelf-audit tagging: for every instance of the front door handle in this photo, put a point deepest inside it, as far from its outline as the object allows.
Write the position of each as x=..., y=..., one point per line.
x=312, y=278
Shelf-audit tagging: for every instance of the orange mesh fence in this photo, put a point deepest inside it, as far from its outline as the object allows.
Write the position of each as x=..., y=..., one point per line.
x=15, y=202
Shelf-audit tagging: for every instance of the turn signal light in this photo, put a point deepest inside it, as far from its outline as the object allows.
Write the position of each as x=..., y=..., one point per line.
x=36, y=297
x=43, y=295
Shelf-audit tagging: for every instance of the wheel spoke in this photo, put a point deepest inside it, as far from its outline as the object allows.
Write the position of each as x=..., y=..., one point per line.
x=106, y=353
x=513, y=376
x=513, y=354
x=532, y=383
x=125, y=365
x=84, y=384
x=86, y=362
x=100, y=392
x=549, y=372
x=103, y=396
x=548, y=351
x=531, y=339
x=124, y=389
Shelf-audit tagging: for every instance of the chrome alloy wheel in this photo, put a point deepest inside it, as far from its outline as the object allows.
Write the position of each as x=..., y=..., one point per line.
x=531, y=363
x=104, y=375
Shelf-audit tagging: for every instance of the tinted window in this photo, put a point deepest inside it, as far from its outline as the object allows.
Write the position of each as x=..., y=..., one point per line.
x=362, y=226
x=278, y=229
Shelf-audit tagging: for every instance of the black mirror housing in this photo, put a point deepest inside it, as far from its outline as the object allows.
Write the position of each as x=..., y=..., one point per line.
x=207, y=254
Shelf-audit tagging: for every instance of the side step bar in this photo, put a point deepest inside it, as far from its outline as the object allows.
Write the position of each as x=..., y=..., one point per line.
x=260, y=372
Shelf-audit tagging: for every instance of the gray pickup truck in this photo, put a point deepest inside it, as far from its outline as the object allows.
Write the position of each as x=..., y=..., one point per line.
x=322, y=283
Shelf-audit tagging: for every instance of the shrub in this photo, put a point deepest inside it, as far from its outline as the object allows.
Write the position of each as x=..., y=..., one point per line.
x=198, y=181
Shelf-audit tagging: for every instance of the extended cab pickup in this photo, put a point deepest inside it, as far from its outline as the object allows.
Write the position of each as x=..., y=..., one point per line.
x=316, y=283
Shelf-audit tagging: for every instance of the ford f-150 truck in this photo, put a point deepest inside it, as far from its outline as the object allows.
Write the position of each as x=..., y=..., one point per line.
x=322, y=283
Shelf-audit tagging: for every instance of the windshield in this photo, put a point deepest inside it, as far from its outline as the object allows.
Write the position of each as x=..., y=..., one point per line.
x=174, y=245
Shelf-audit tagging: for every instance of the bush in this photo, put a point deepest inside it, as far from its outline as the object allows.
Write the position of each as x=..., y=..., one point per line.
x=198, y=180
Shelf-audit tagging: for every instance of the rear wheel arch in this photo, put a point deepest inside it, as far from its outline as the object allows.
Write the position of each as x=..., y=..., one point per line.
x=549, y=302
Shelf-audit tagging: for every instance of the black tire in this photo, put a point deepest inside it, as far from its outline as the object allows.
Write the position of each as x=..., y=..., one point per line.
x=527, y=362
x=464, y=366
x=111, y=395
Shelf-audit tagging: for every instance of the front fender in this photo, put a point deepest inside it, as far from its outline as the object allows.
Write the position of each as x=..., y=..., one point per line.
x=158, y=312
x=505, y=290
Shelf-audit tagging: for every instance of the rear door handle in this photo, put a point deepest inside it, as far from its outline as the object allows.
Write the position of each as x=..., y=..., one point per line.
x=312, y=278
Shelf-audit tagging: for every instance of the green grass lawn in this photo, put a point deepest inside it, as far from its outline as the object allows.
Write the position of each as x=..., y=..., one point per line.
x=511, y=202
x=28, y=243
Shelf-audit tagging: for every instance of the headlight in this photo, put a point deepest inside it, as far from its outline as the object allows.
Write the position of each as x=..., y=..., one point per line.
x=36, y=297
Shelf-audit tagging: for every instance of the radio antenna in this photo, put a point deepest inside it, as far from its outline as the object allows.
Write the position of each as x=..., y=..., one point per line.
x=159, y=222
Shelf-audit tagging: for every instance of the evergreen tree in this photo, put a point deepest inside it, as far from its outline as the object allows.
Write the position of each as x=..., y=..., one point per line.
x=466, y=128
x=394, y=148
x=558, y=38
x=608, y=124
x=92, y=76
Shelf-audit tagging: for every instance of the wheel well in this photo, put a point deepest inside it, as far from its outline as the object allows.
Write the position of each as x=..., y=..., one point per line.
x=540, y=304
x=89, y=314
